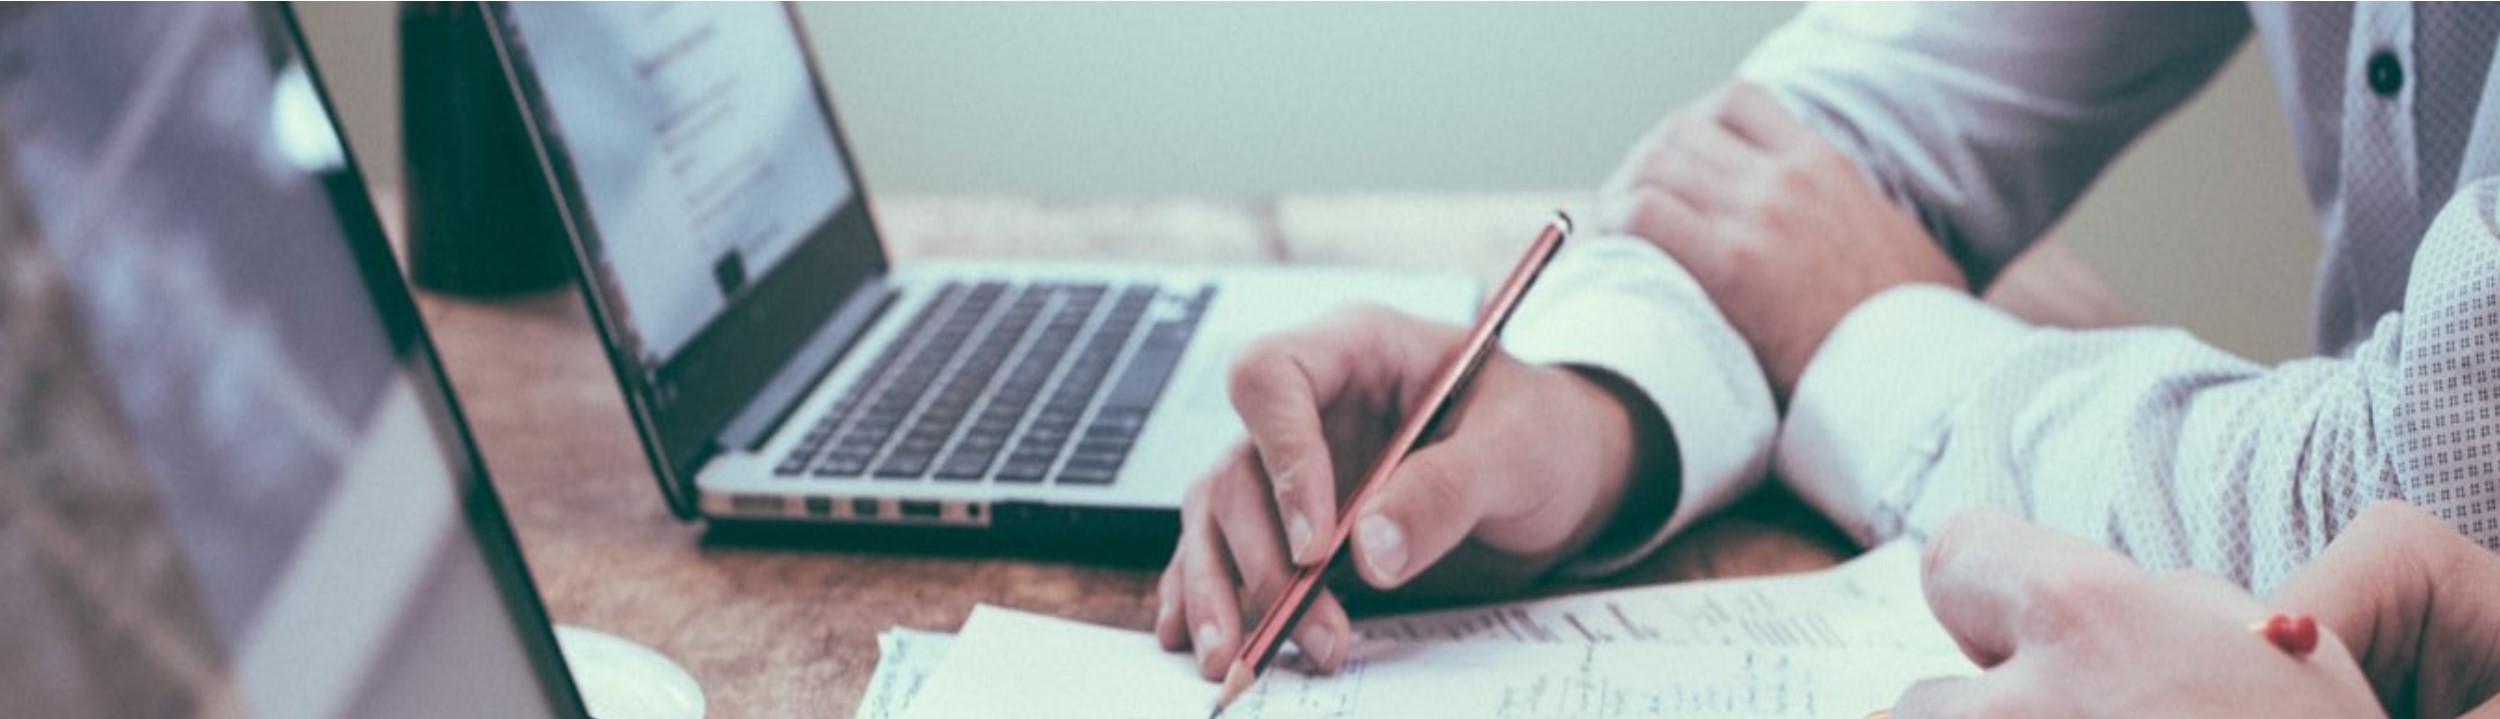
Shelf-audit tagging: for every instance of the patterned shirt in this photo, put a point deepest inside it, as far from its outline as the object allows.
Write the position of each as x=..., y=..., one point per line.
x=1986, y=122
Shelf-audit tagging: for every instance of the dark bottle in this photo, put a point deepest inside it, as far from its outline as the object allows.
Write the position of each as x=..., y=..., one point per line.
x=480, y=219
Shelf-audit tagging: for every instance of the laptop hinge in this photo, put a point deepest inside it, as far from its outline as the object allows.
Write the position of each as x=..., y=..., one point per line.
x=772, y=405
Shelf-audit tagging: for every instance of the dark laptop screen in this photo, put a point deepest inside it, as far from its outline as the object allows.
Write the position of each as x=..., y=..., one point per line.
x=703, y=179
x=229, y=484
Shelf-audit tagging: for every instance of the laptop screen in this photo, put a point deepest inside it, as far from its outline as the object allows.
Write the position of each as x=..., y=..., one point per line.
x=700, y=151
x=230, y=484
x=702, y=177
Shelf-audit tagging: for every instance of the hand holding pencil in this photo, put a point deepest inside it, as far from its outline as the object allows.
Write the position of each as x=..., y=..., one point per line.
x=1541, y=458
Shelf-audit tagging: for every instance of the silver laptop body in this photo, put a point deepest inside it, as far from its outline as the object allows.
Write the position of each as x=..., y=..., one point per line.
x=780, y=370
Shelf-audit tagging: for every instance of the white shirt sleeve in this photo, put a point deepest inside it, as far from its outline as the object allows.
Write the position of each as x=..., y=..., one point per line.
x=1924, y=402
x=1619, y=305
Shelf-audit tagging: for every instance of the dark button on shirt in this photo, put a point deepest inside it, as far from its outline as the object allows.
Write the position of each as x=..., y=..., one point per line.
x=2386, y=74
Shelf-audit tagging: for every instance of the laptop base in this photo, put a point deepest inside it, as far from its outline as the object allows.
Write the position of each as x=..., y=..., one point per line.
x=1125, y=537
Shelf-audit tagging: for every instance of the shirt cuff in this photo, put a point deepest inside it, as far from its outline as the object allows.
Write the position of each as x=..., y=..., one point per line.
x=1869, y=413
x=1619, y=305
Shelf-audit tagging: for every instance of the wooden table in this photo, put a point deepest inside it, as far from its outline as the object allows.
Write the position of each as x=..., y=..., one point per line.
x=789, y=632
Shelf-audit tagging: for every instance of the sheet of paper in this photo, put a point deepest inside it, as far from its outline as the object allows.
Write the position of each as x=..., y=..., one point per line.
x=1838, y=643
x=1010, y=663
x=1871, y=602
x=905, y=657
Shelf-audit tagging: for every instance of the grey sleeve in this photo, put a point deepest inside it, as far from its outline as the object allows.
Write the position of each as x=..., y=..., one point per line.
x=1987, y=120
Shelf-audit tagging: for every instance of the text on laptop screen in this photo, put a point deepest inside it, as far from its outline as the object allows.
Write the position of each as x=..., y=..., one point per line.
x=224, y=488
x=699, y=147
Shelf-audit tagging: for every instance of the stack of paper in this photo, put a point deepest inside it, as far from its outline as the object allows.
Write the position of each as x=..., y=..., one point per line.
x=1838, y=643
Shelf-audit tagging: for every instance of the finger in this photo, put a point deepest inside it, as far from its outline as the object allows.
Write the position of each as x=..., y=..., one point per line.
x=1212, y=613
x=1626, y=174
x=1664, y=220
x=1169, y=629
x=1995, y=582
x=1701, y=162
x=1751, y=113
x=2370, y=587
x=1278, y=387
x=1245, y=513
x=1325, y=633
x=1419, y=513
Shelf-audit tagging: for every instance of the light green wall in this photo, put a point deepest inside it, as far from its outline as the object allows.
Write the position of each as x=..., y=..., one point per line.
x=2201, y=225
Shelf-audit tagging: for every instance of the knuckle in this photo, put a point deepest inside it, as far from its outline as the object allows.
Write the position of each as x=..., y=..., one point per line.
x=1725, y=103
x=1742, y=260
x=1959, y=531
x=1258, y=589
x=1194, y=501
x=2061, y=607
x=1825, y=157
x=1248, y=376
x=1644, y=216
x=1439, y=489
x=1257, y=366
x=1794, y=175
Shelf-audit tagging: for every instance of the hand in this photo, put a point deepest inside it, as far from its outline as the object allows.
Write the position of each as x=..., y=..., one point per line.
x=1531, y=467
x=2415, y=600
x=2067, y=629
x=1775, y=223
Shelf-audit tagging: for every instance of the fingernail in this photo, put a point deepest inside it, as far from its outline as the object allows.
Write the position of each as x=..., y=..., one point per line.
x=1207, y=637
x=1298, y=534
x=1383, y=546
x=1163, y=611
x=1326, y=652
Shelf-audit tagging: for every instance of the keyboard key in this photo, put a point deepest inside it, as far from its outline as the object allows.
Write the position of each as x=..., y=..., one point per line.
x=902, y=466
x=1125, y=420
x=1087, y=475
x=1098, y=433
x=1143, y=380
x=842, y=466
x=1022, y=471
x=920, y=444
x=1046, y=435
x=965, y=466
x=1055, y=418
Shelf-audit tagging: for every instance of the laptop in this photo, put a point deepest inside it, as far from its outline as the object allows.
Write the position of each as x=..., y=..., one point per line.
x=780, y=369
x=231, y=480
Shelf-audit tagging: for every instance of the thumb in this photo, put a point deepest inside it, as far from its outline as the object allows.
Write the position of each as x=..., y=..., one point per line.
x=1418, y=514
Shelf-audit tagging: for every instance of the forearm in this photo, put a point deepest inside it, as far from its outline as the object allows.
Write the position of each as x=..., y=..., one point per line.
x=1924, y=403
x=1985, y=121
x=2142, y=440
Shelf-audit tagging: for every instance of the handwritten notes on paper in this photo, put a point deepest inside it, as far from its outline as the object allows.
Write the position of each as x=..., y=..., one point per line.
x=1872, y=602
x=1837, y=644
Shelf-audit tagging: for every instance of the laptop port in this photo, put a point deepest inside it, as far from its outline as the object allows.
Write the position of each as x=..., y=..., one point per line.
x=755, y=504
x=819, y=507
x=865, y=508
x=922, y=509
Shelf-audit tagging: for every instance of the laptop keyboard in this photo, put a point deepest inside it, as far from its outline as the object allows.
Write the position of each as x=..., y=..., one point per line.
x=1003, y=382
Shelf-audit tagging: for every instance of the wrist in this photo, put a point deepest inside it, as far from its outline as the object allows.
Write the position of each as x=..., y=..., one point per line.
x=1638, y=468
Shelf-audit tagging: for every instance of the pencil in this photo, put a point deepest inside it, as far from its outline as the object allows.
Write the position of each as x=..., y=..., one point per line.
x=1260, y=646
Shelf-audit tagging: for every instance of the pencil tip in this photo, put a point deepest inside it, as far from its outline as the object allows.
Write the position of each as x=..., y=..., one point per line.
x=1235, y=682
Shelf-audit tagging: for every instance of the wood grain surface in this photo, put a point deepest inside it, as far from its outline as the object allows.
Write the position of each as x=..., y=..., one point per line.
x=776, y=630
